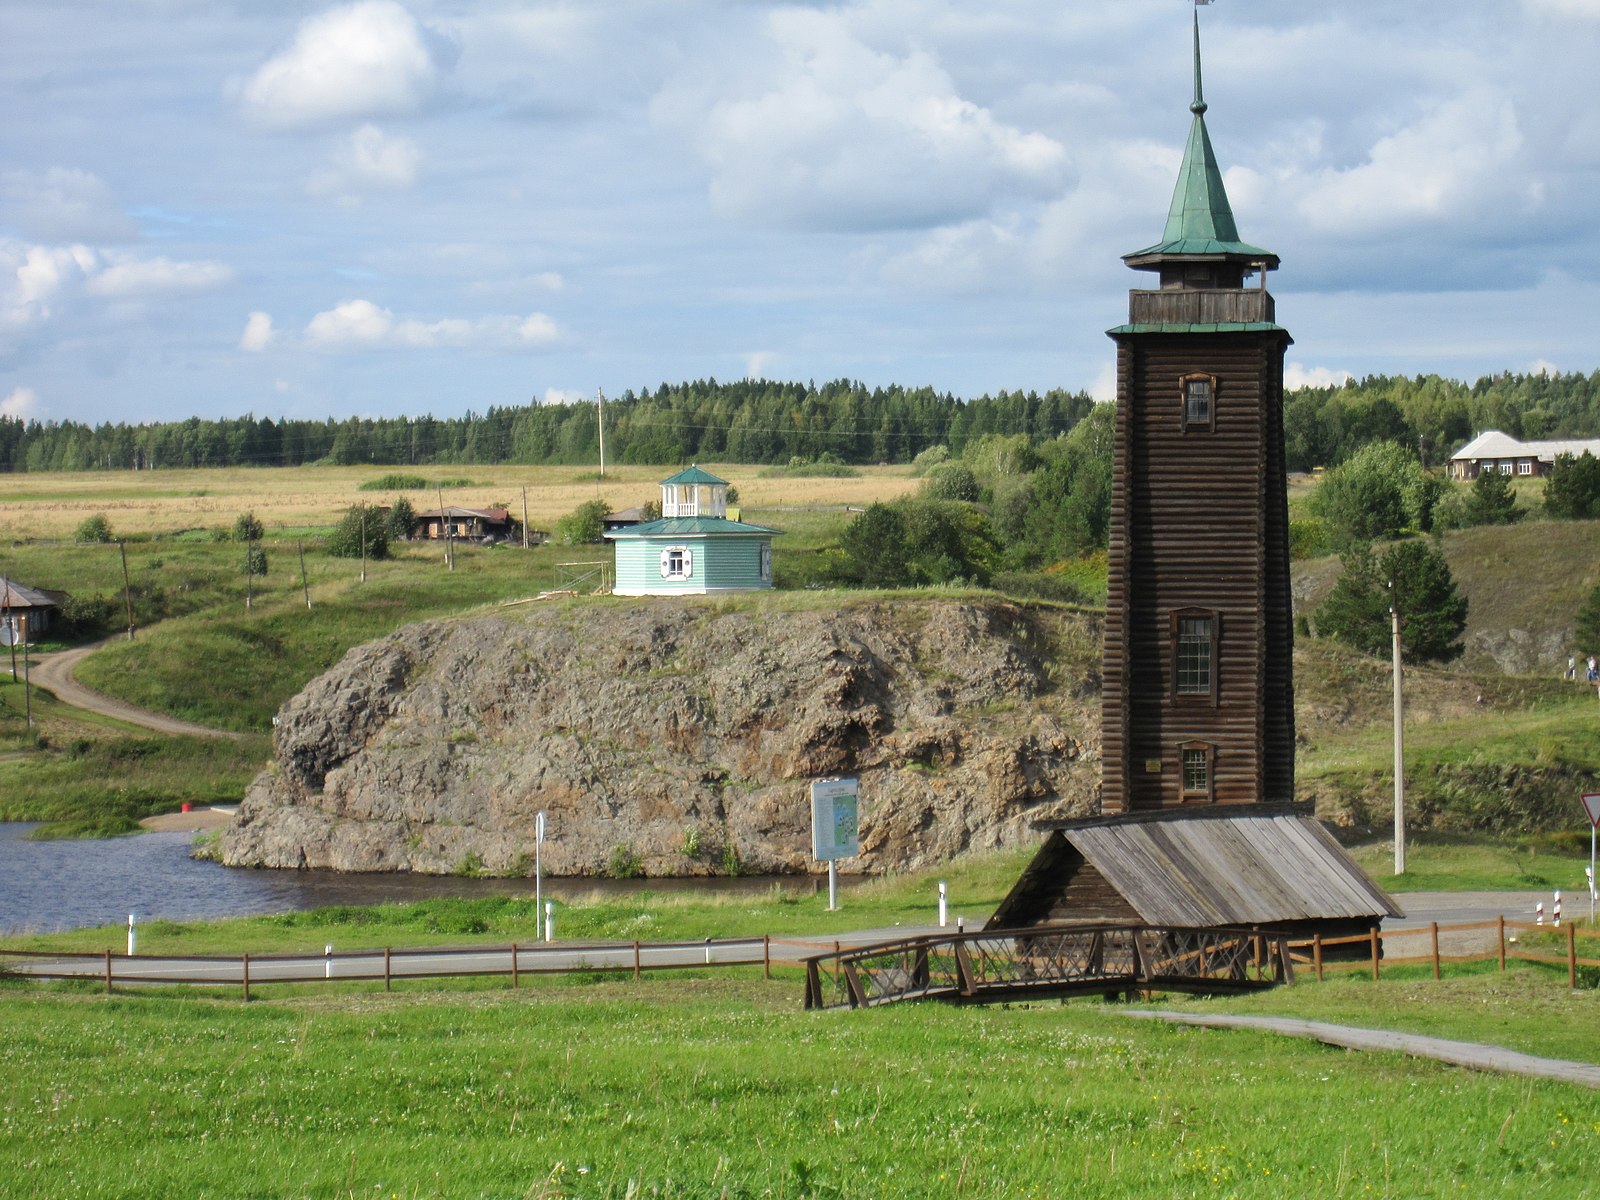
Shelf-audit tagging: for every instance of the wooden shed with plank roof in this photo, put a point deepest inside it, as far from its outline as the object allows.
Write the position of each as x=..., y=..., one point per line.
x=1206, y=867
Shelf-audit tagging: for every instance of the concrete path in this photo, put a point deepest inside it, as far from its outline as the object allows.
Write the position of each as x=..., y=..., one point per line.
x=53, y=672
x=1461, y=1054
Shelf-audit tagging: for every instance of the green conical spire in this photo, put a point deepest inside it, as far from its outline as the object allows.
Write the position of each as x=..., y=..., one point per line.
x=1200, y=209
x=1200, y=221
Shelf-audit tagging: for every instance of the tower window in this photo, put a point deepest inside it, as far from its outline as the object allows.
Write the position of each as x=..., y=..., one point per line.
x=1194, y=653
x=1197, y=759
x=1199, y=409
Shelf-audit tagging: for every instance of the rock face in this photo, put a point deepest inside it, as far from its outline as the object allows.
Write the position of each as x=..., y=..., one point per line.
x=682, y=736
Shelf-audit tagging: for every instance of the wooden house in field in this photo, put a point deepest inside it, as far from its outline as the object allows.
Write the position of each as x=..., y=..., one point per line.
x=1200, y=823
x=37, y=608
x=693, y=548
x=467, y=524
x=1496, y=451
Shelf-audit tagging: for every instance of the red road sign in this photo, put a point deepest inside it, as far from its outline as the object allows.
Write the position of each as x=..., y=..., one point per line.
x=1591, y=805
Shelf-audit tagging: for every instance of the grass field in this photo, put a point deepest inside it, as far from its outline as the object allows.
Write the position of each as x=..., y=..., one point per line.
x=288, y=499
x=722, y=1088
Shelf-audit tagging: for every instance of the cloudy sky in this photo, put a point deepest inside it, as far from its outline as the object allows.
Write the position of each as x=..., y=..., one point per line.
x=212, y=207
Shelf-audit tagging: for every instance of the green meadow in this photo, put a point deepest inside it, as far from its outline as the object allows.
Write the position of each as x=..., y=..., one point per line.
x=724, y=1088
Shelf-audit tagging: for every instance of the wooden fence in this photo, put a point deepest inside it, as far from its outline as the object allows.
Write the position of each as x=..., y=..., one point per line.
x=1415, y=946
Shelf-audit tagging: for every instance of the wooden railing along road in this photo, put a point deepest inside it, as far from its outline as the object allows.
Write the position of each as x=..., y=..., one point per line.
x=859, y=970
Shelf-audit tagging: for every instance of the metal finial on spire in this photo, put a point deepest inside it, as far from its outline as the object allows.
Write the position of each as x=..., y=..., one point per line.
x=1199, y=104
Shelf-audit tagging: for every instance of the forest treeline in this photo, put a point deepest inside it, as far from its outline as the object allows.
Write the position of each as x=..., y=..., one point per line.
x=749, y=421
x=758, y=421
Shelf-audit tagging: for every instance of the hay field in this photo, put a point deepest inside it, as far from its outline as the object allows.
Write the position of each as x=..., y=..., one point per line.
x=52, y=505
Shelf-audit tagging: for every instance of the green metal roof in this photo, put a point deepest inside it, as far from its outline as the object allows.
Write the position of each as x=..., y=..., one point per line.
x=692, y=474
x=1187, y=327
x=668, y=527
x=1200, y=222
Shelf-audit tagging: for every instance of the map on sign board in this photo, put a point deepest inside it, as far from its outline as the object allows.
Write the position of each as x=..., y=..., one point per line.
x=835, y=819
x=1591, y=805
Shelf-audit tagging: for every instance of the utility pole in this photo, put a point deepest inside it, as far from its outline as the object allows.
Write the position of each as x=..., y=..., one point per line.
x=363, y=543
x=444, y=522
x=249, y=574
x=27, y=674
x=305, y=584
x=127, y=588
x=1399, y=740
x=524, y=516
x=602, y=418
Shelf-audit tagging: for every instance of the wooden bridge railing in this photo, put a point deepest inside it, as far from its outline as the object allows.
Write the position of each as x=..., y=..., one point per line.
x=1048, y=960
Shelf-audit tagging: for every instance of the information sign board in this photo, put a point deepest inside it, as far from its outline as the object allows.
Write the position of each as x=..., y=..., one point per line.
x=835, y=819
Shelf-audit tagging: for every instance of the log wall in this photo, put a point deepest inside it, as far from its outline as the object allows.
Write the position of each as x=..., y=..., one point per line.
x=1199, y=520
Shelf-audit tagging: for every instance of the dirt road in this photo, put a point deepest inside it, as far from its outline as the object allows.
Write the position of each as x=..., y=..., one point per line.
x=53, y=672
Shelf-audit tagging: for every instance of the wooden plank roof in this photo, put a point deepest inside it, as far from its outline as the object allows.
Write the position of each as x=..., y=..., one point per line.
x=1213, y=867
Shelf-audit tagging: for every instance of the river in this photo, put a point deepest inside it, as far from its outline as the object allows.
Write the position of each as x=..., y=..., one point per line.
x=49, y=886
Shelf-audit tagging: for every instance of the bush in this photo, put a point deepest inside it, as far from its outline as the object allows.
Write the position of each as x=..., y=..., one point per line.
x=93, y=529
x=1380, y=491
x=953, y=481
x=1038, y=585
x=255, y=559
x=583, y=524
x=930, y=458
x=247, y=529
x=83, y=616
x=624, y=863
x=396, y=483
x=1491, y=500
x=1573, y=489
x=401, y=520
x=345, y=541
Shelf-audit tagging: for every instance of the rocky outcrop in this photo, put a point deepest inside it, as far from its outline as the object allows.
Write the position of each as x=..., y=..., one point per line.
x=681, y=736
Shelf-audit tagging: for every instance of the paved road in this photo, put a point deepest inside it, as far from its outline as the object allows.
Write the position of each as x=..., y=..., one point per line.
x=1461, y=1054
x=53, y=672
x=419, y=964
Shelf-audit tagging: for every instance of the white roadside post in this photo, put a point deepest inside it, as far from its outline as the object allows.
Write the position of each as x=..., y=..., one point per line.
x=133, y=934
x=835, y=826
x=944, y=912
x=538, y=871
x=549, y=920
x=1591, y=805
x=327, y=962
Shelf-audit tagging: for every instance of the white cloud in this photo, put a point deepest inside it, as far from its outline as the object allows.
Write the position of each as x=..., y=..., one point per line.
x=757, y=362
x=366, y=161
x=1297, y=376
x=136, y=278
x=362, y=60
x=21, y=405
x=1543, y=366
x=64, y=204
x=1461, y=158
x=1104, y=386
x=1581, y=9
x=833, y=133
x=362, y=325
x=257, y=332
x=562, y=396
x=34, y=280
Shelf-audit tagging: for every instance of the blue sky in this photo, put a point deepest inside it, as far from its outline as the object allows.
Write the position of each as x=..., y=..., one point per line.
x=211, y=207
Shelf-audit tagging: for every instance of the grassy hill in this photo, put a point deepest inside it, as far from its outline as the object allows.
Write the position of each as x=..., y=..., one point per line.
x=1496, y=741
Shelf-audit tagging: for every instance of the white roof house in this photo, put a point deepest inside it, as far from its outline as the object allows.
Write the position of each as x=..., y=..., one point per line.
x=1496, y=451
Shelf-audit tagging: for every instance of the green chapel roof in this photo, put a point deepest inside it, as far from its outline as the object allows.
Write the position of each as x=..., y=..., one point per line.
x=691, y=475
x=670, y=527
x=1200, y=222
